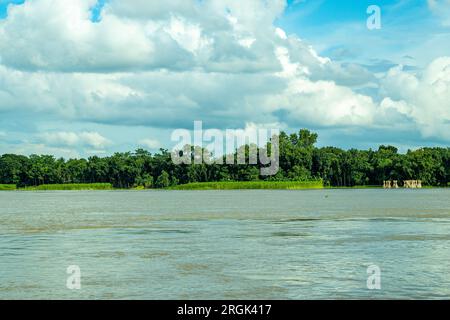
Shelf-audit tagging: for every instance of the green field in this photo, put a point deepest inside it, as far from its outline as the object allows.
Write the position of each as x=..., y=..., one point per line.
x=75, y=186
x=7, y=187
x=242, y=185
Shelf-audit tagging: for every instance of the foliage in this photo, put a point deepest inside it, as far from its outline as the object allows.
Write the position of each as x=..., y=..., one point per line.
x=74, y=186
x=240, y=185
x=163, y=180
x=300, y=160
x=7, y=187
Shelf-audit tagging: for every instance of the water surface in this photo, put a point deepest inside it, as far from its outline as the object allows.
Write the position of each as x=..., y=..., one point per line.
x=225, y=244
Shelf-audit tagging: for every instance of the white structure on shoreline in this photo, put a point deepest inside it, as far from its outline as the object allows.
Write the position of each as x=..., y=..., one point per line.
x=408, y=184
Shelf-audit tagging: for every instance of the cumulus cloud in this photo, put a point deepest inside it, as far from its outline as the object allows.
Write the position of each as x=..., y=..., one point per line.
x=166, y=64
x=424, y=98
x=61, y=138
x=139, y=35
x=29, y=148
x=94, y=139
x=150, y=143
x=73, y=139
x=60, y=36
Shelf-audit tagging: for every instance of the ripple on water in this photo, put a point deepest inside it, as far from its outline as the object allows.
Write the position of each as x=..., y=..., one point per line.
x=219, y=244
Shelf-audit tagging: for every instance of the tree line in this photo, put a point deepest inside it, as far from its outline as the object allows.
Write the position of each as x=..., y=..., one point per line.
x=300, y=160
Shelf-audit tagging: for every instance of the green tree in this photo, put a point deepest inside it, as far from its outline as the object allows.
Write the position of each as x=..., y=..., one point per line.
x=299, y=160
x=163, y=180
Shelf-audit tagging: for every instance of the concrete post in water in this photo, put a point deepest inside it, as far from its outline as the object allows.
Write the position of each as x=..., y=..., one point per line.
x=413, y=184
x=395, y=184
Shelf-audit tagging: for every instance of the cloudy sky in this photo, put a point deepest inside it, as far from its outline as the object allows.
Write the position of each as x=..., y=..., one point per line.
x=84, y=77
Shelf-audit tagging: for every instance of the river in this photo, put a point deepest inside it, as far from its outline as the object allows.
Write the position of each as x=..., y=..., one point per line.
x=313, y=244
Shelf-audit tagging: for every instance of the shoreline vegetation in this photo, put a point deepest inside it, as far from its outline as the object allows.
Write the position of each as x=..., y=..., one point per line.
x=199, y=186
x=69, y=187
x=8, y=187
x=226, y=185
x=252, y=185
x=300, y=161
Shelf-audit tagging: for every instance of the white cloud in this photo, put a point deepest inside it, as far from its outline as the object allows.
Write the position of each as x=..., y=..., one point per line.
x=94, y=139
x=280, y=32
x=187, y=35
x=150, y=143
x=61, y=138
x=424, y=98
x=29, y=148
x=72, y=139
x=59, y=36
x=169, y=63
x=324, y=103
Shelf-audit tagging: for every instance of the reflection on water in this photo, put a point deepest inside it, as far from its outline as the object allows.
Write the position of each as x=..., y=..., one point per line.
x=225, y=244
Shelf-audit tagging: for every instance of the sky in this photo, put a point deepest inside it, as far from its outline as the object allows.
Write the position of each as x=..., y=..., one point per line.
x=87, y=77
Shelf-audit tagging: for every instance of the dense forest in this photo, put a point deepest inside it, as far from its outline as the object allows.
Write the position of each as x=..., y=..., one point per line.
x=300, y=160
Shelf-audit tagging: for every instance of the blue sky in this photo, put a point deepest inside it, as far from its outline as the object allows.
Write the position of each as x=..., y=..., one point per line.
x=96, y=9
x=4, y=4
x=337, y=28
x=94, y=77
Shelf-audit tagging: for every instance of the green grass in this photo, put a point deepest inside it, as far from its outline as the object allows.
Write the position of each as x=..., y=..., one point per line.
x=355, y=187
x=7, y=187
x=74, y=186
x=242, y=185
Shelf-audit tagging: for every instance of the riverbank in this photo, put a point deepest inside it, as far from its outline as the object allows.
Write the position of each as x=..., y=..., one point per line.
x=252, y=185
x=231, y=185
x=7, y=187
x=71, y=187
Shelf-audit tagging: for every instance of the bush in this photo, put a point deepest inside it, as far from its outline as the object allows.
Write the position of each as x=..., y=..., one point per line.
x=7, y=187
x=75, y=186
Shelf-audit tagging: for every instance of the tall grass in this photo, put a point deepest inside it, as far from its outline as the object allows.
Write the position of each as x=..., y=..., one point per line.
x=7, y=187
x=242, y=185
x=74, y=186
x=356, y=187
